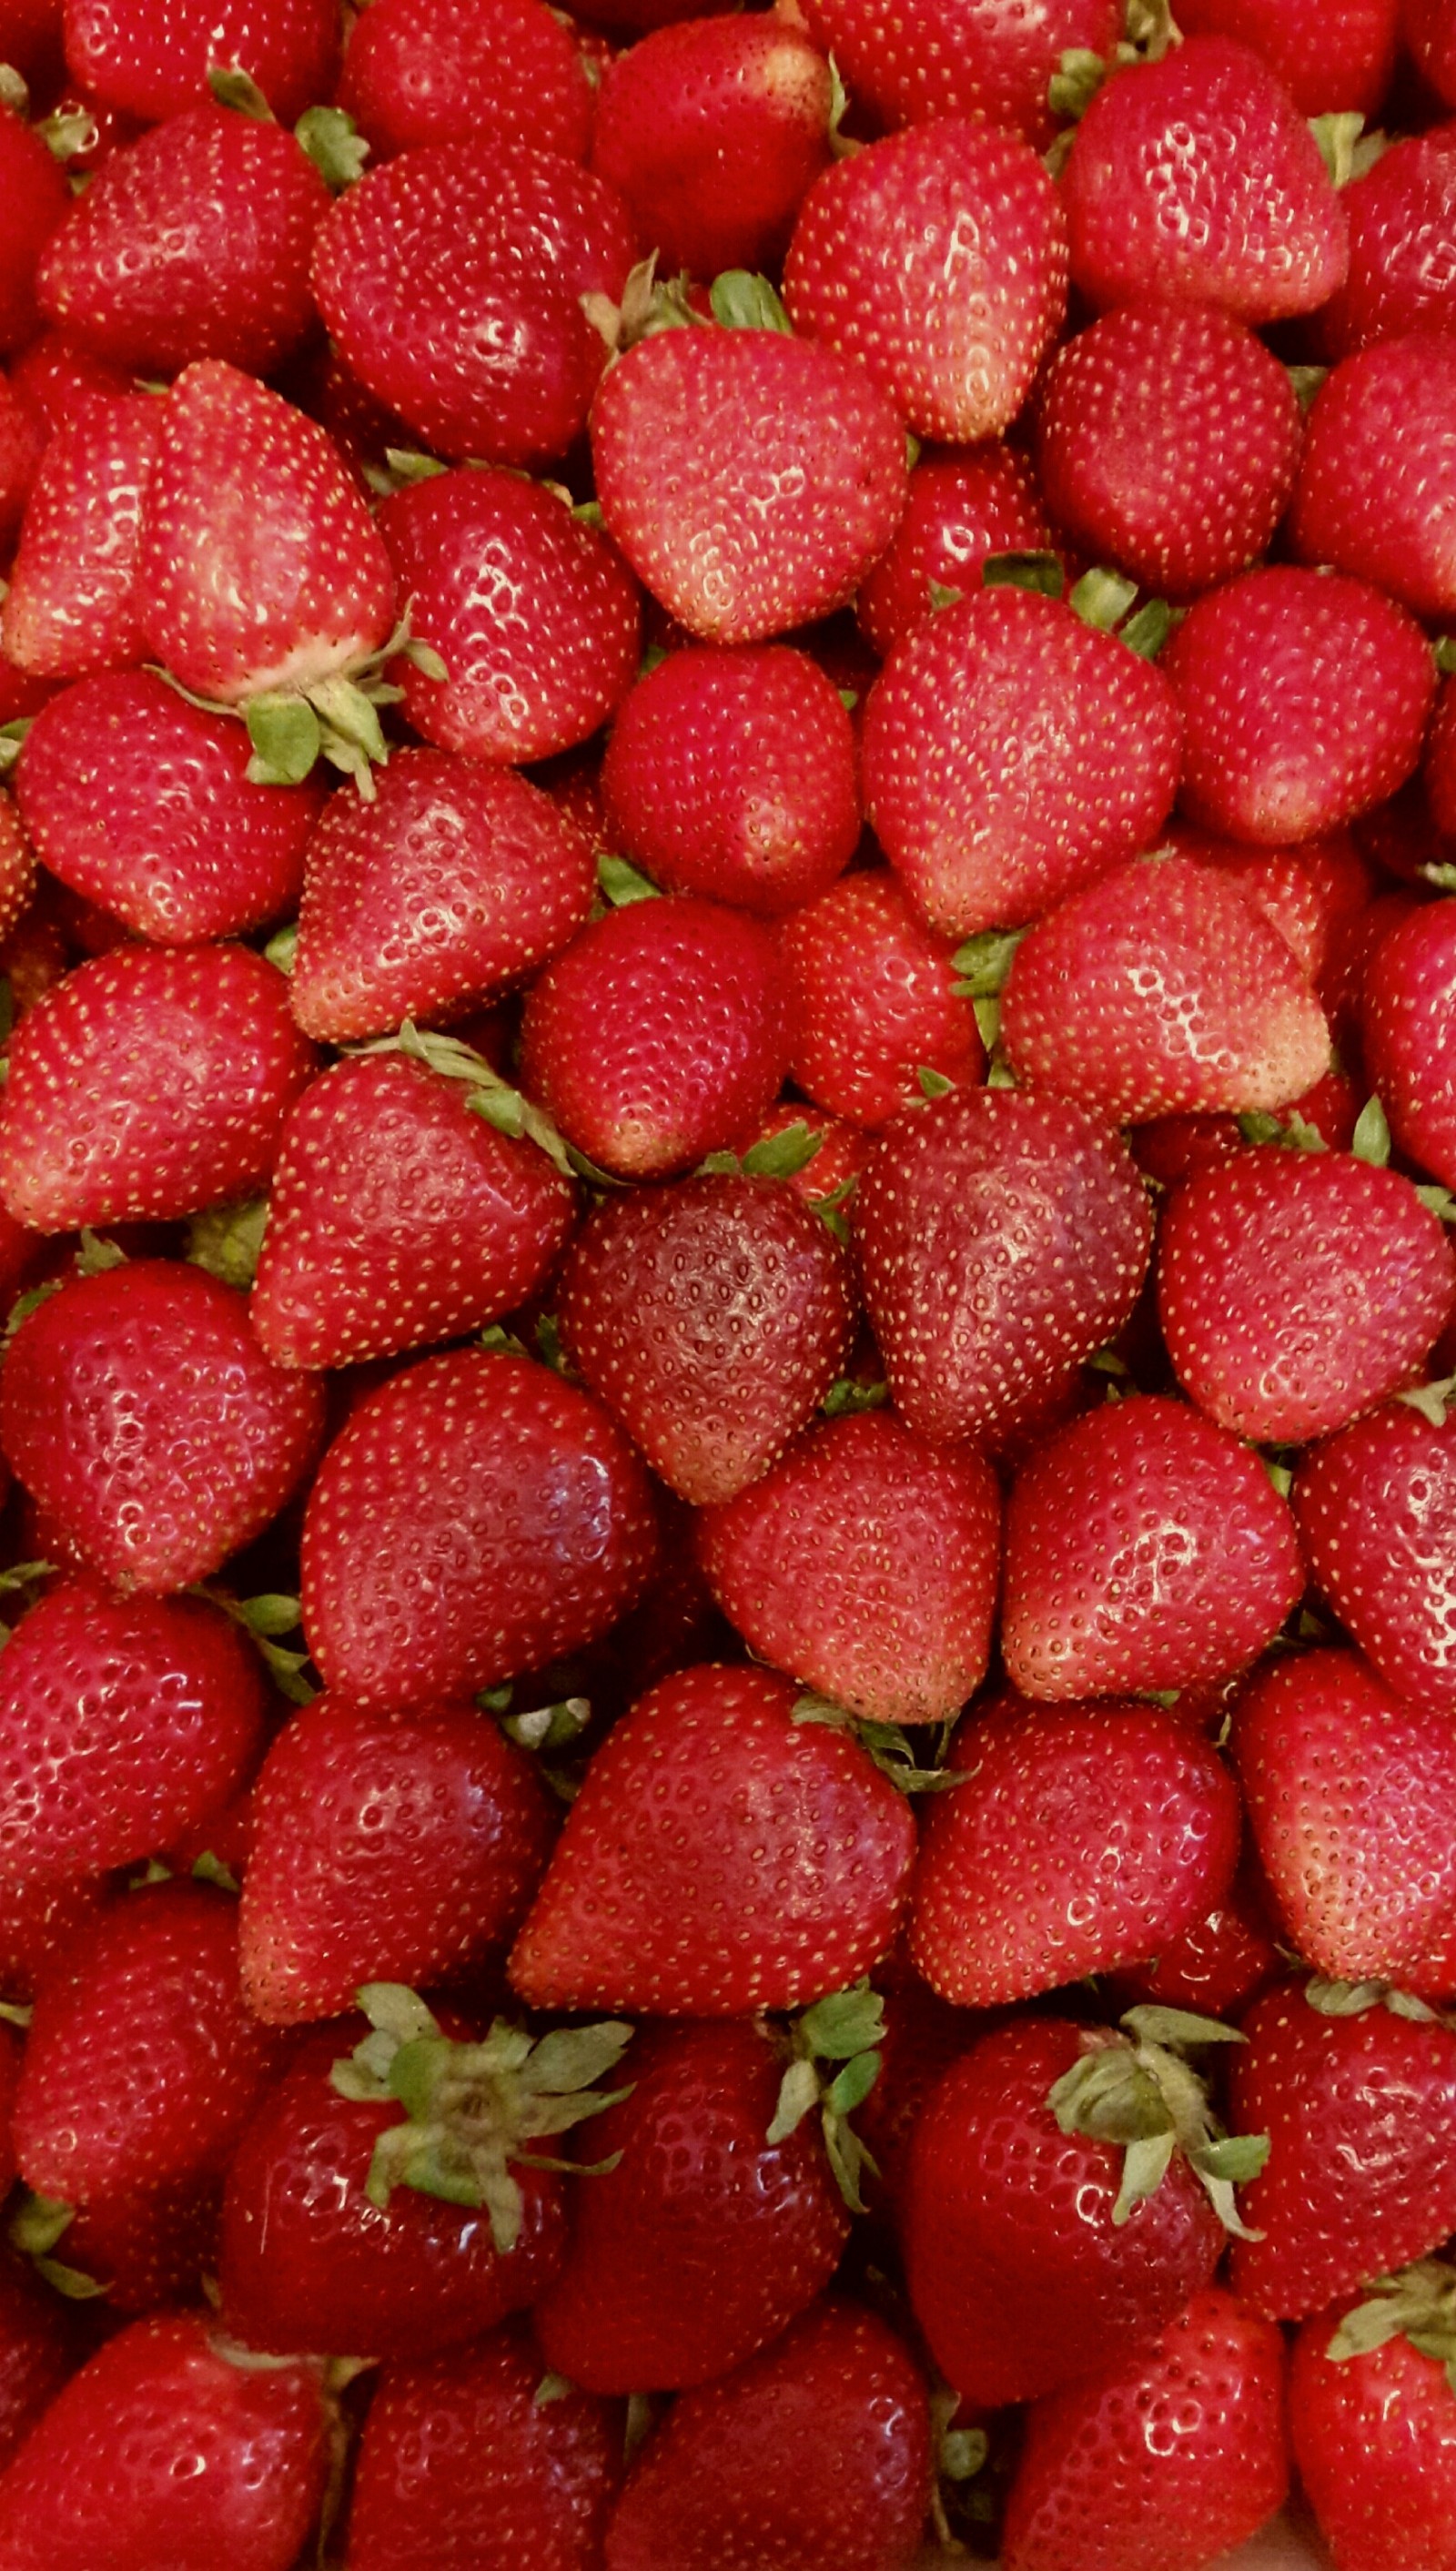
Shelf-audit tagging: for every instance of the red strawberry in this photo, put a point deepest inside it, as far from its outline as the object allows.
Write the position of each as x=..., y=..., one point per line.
x=137, y=1408
x=23, y=440
x=141, y=802
x=1376, y=1507
x=38, y=1917
x=818, y=2450
x=1426, y=27
x=1405, y=1028
x=875, y=1001
x=451, y=282
x=865, y=1563
x=1217, y=1966
x=657, y=1898
x=72, y=607
x=399, y=1216
x=713, y=131
x=1160, y=2460
x=1304, y=700
x=443, y=71
x=659, y=1035
x=1370, y=2416
x=1438, y=775
x=1196, y=178
x=1167, y=438
x=484, y=2459
x=963, y=507
x=122, y=1722
x=17, y=866
x=171, y=2444
x=533, y=615
x=751, y=478
x=1013, y=753
x=454, y=885
x=1080, y=1838
x=36, y=201
x=1402, y=218
x=152, y=60
x=956, y=58
x=1145, y=1549
x=38, y=2350
x=1326, y=63
x=401, y=1848
x=938, y=258
x=148, y=1084
x=1361, y=2110
x=712, y=1318
x=1003, y=1238
x=732, y=774
x=1375, y=492
x=475, y=1518
x=1296, y=1289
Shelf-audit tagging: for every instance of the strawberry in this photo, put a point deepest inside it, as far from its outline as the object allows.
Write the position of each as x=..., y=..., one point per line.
x=713, y=131
x=938, y=258
x=37, y=200
x=535, y=616
x=139, y=2248
x=1195, y=178
x=1013, y=753
x=1426, y=27
x=401, y=1848
x=1296, y=1289
x=451, y=282
x=72, y=607
x=732, y=774
x=141, y=802
x=1158, y=990
x=657, y=1898
x=659, y=1035
x=1358, y=2098
x=751, y=478
x=956, y=58
x=38, y=2350
x=963, y=507
x=974, y=1338
x=399, y=1216
x=122, y=1722
x=23, y=440
x=712, y=1318
x=30, y=36
x=1167, y=438
x=701, y=2241
x=1145, y=1549
x=1375, y=492
x=17, y=866
x=1402, y=218
x=1438, y=772
x=54, y=379
x=876, y=1001
x=152, y=60
x=1160, y=2460
x=1304, y=700
x=453, y=886
x=865, y=1563
x=1405, y=1031
x=1370, y=2416
x=476, y=1517
x=1327, y=64
x=444, y=71
x=1217, y=1966
x=38, y=1917
x=1376, y=1507
x=148, y=1084
x=137, y=1408
x=1079, y=1839
x=483, y=2457
x=817, y=2450
x=192, y=242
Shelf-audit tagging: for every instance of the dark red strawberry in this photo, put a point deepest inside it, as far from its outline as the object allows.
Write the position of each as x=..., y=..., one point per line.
x=384, y=1849
x=1405, y=1029
x=1376, y=1507
x=137, y=1408
x=148, y=1084
x=1370, y=2416
x=23, y=440
x=1426, y=27
x=17, y=866
x=1217, y=1966
x=875, y=1001
x=1402, y=218
x=865, y=1563
x=1145, y=1549
x=37, y=200
x=712, y=1318
x=818, y=2450
x=122, y=1722
x=476, y=1517
x=444, y=71
x=38, y=1917
x=657, y=1898
x=964, y=506
x=947, y=58
x=72, y=607
x=1375, y=493
x=154, y=60
x=532, y=612
x=55, y=379
x=38, y=2350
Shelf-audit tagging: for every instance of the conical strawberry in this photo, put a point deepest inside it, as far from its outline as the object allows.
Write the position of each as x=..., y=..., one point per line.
x=73, y=606
x=1376, y=493
x=878, y=1000
x=440, y=71
x=964, y=505
x=1376, y=1507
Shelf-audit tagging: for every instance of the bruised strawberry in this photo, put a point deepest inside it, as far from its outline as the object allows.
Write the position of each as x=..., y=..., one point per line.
x=942, y=58
x=443, y=71
x=152, y=60
x=73, y=606
x=875, y=1001
x=1376, y=1507
x=964, y=506
x=1376, y=494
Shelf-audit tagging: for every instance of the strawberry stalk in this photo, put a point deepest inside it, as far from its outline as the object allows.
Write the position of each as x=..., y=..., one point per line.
x=1418, y=2304
x=836, y=2064
x=1139, y=2091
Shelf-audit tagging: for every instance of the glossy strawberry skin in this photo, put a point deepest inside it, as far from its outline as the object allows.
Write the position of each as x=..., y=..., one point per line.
x=17, y=866
x=475, y=1518
x=749, y=478
x=1196, y=178
x=949, y=761
x=1376, y=2444
x=974, y=1338
x=1376, y=1507
x=478, y=553
x=72, y=608
x=441, y=71
x=137, y=1408
x=39, y=2347
x=1402, y=218
x=148, y=1085
x=959, y=56
x=705, y=2241
x=1297, y=1289
x=1216, y=1968
x=964, y=505
x=140, y=803
x=124, y=1722
x=1161, y=2461
x=401, y=1848
x=153, y=61
x=1145, y=1549
x=1404, y=1026
x=712, y=1318
x=874, y=1001
x=938, y=258
x=1427, y=31
x=656, y=1899
x=1017, y=2273
x=1376, y=491
x=37, y=202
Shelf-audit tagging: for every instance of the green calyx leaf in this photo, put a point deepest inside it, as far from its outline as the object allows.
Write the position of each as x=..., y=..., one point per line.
x=550, y=1727
x=263, y=1619
x=333, y=143
x=491, y=1098
x=782, y=1154
x=842, y=145
x=933, y=1084
x=1148, y=628
x=845, y=2028
x=1292, y=1132
x=472, y=2108
x=1138, y=2091
x=69, y=135
x=37, y=2224
x=233, y=87
x=1337, y=138
x=282, y=947
x=210, y=1868
x=12, y=736
x=1351, y=2000
x=1371, y=1138
x=1439, y=1202
x=226, y=1241
x=96, y=1256
x=1304, y=382
x=1430, y=1399
x=15, y=90
x=1041, y=573
x=1075, y=83
x=741, y=301
x=983, y=961
x=623, y=883
x=1418, y=2304
x=943, y=596
x=412, y=464
x=286, y=737
x=889, y=1744
x=1443, y=653
x=846, y=1398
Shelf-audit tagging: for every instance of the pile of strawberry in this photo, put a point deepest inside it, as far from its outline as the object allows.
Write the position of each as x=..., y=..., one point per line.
x=727, y=1748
